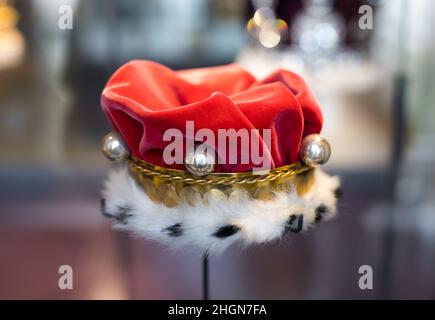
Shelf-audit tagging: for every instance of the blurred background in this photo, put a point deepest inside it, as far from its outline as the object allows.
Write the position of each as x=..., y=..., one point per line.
x=373, y=78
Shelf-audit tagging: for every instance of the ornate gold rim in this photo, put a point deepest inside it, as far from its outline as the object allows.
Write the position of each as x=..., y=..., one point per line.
x=138, y=166
x=171, y=187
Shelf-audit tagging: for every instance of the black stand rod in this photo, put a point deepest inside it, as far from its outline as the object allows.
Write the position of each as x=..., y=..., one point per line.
x=205, y=280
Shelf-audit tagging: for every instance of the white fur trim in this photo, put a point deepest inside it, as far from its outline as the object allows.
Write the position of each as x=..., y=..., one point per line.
x=254, y=221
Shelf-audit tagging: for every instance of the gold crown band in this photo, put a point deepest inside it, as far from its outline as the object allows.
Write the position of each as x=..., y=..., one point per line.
x=170, y=186
x=141, y=167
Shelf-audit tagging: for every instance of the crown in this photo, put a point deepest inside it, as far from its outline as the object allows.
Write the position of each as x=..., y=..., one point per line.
x=213, y=194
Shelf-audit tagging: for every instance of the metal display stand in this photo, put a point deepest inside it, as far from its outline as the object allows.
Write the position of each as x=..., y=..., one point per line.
x=205, y=277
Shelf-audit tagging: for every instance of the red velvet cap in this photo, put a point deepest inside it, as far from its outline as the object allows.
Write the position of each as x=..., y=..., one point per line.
x=143, y=99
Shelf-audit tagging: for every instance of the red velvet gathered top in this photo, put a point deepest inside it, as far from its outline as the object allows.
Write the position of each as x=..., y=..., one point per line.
x=142, y=99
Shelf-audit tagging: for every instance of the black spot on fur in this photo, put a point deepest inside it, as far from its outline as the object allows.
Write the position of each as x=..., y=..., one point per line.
x=103, y=208
x=226, y=231
x=338, y=193
x=122, y=214
x=175, y=230
x=294, y=223
x=320, y=212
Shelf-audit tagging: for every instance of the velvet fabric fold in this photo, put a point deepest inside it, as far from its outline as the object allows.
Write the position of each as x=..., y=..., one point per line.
x=143, y=99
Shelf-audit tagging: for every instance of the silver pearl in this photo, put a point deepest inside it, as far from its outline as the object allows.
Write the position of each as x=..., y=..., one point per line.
x=315, y=150
x=113, y=147
x=199, y=163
